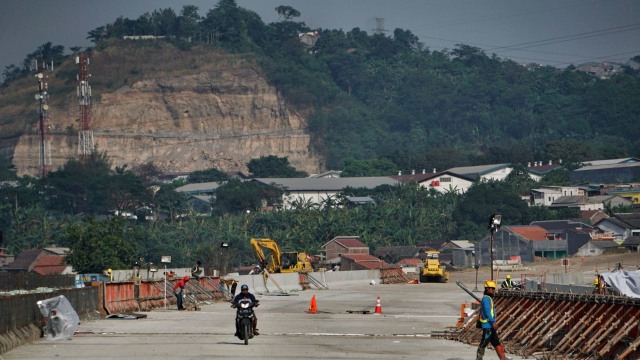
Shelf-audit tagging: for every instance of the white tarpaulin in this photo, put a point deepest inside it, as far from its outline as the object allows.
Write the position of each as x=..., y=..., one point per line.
x=62, y=319
x=625, y=282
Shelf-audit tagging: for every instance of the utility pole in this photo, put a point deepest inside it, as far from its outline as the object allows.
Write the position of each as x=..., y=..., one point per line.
x=43, y=109
x=85, y=136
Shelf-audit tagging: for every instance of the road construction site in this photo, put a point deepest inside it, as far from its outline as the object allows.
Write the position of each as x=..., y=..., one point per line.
x=416, y=321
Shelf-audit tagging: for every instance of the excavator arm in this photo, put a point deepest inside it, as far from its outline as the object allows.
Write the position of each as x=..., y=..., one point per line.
x=272, y=264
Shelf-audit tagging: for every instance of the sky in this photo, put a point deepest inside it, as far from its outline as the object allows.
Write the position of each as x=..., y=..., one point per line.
x=549, y=32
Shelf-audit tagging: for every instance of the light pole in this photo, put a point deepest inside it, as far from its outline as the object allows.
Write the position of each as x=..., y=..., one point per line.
x=165, y=260
x=494, y=224
x=223, y=262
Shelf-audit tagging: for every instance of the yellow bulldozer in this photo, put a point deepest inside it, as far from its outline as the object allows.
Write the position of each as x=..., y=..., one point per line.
x=279, y=261
x=433, y=270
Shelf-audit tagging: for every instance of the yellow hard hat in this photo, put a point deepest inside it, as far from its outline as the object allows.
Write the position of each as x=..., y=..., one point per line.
x=595, y=281
x=490, y=284
x=508, y=276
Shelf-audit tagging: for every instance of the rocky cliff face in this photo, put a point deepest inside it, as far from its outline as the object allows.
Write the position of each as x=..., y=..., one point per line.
x=220, y=118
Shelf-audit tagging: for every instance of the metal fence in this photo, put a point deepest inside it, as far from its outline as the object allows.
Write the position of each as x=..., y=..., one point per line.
x=21, y=310
x=29, y=281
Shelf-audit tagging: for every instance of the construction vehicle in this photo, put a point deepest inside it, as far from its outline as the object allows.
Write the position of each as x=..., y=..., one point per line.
x=433, y=270
x=278, y=261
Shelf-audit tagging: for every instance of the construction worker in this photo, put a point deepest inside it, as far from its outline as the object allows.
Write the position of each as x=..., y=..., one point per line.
x=488, y=323
x=507, y=283
x=596, y=285
x=196, y=270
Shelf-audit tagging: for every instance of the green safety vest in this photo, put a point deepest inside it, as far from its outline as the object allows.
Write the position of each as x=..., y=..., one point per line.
x=493, y=312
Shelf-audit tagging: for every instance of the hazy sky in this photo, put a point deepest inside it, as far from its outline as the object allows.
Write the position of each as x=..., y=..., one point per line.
x=552, y=32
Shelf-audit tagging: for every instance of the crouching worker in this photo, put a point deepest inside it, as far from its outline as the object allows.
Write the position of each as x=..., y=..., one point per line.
x=488, y=322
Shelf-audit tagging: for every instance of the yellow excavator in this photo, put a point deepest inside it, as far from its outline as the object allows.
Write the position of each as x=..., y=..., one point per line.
x=433, y=270
x=278, y=261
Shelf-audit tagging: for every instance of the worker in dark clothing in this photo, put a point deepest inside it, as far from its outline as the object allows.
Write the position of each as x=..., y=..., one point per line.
x=507, y=283
x=488, y=322
x=178, y=291
x=196, y=270
x=245, y=294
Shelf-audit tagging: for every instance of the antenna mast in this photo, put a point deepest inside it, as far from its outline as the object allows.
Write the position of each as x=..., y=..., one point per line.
x=85, y=135
x=43, y=110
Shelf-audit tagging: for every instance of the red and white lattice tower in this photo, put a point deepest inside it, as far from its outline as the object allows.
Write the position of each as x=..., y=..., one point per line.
x=43, y=109
x=85, y=135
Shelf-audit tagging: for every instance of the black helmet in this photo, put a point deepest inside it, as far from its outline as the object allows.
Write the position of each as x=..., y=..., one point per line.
x=244, y=287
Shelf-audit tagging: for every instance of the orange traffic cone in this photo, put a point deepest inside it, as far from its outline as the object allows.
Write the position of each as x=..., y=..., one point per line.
x=378, y=307
x=312, y=306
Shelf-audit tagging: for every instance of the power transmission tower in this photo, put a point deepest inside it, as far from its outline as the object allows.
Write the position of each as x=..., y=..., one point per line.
x=85, y=135
x=43, y=109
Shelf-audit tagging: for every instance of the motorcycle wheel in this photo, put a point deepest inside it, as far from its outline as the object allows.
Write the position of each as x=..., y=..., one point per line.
x=246, y=331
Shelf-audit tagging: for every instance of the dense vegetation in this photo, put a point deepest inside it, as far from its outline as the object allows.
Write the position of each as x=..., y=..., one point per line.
x=379, y=104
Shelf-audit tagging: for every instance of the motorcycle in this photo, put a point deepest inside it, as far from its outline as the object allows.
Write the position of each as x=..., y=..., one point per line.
x=244, y=319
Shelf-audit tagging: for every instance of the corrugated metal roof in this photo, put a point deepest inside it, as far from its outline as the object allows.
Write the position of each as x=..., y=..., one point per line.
x=419, y=178
x=200, y=187
x=611, y=161
x=479, y=169
x=608, y=166
x=544, y=169
x=328, y=184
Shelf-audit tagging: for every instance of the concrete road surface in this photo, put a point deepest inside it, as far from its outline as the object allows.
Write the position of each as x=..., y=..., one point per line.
x=403, y=331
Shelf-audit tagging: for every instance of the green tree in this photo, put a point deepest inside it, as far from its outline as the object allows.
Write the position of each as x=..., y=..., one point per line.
x=96, y=246
x=237, y=196
x=376, y=167
x=273, y=166
x=208, y=175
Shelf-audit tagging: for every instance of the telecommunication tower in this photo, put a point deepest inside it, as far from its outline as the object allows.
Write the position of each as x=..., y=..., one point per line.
x=379, y=26
x=85, y=135
x=43, y=109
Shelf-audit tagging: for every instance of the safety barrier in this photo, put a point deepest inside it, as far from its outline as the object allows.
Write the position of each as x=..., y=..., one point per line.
x=127, y=297
x=563, y=325
x=21, y=321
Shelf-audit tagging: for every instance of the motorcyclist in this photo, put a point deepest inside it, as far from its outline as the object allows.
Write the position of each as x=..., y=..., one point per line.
x=245, y=294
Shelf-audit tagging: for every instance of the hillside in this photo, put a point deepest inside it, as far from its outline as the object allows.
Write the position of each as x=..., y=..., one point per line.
x=227, y=87
x=154, y=103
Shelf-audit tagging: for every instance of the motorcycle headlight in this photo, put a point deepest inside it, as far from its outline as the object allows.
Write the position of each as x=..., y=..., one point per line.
x=245, y=305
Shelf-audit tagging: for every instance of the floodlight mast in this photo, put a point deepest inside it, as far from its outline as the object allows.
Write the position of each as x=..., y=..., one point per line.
x=494, y=224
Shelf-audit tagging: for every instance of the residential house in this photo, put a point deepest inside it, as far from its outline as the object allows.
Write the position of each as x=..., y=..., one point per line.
x=606, y=174
x=538, y=170
x=350, y=262
x=595, y=248
x=632, y=243
x=393, y=254
x=584, y=203
x=341, y=245
x=442, y=182
x=523, y=242
x=575, y=233
x=47, y=261
x=484, y=172
x=621, y=226
x=593, y=216
x=546, y=195
x=309, y=39
x=630, y=194
x=5, y=258
x=318, y=190
x=201, y=195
